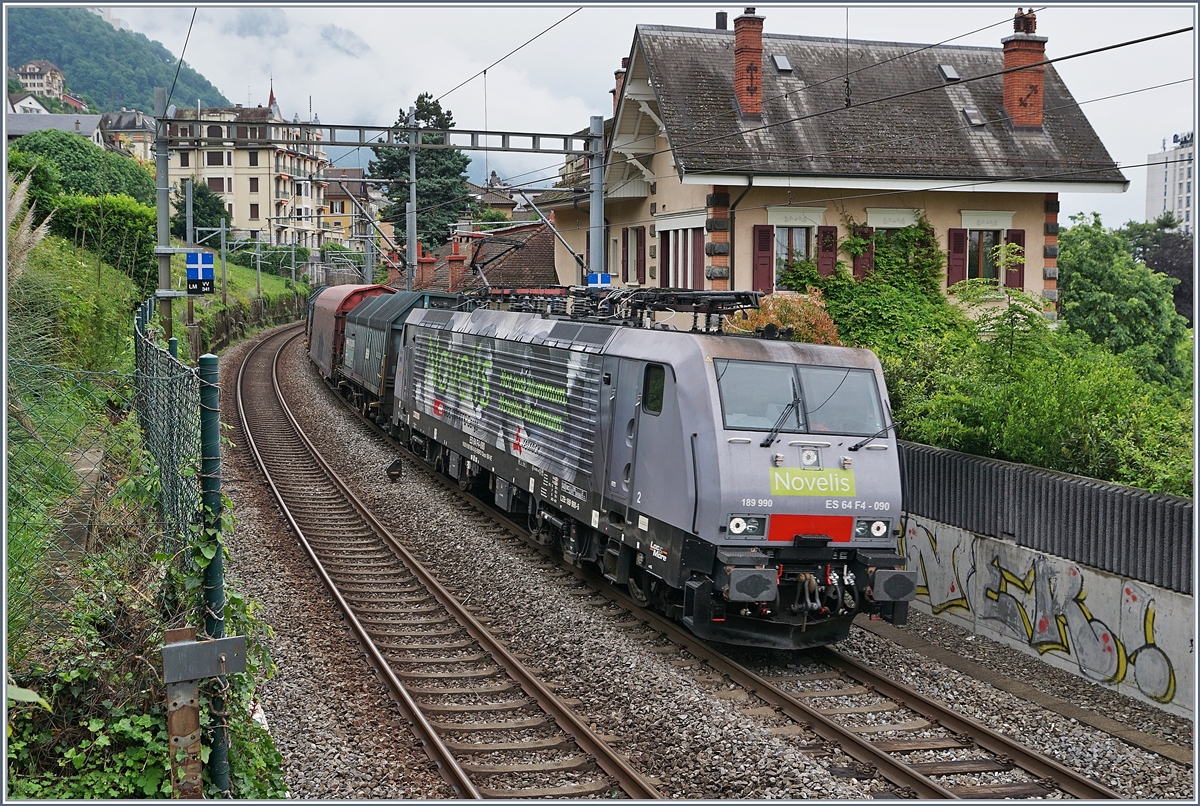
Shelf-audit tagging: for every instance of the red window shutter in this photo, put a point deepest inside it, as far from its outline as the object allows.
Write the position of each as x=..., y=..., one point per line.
x=826, y=250
x=1016, y=278
x=764, y=258
x=865, y=262
x=641, y=255
x=956, y=265
x=625, y=255
x=698, y=258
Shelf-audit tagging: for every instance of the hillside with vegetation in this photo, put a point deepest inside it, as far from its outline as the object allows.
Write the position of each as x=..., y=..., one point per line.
x=93, y=571
x=113, y=68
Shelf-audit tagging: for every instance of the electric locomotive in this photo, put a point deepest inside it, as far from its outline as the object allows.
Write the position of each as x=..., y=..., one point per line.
x=748, y=487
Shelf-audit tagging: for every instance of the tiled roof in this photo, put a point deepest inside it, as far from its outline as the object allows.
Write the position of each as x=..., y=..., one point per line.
x=128, y=121
x=18, y=124
x=242, y=114
x=519, y=255
x=357, y=188
x=42, y=65
x=806, y=128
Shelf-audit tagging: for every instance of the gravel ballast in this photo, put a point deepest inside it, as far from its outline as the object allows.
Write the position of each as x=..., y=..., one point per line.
x=694, y=733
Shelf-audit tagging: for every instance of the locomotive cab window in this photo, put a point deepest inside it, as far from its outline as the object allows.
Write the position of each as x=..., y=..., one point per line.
x=652, y=388
x=755, y=395
x=761, y=396
x=841, y=401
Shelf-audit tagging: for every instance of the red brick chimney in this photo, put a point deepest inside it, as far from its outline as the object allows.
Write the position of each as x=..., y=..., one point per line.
x=458, y=267
x=747, y=62
x=620, y=76
x=1023, y=88
x=425, y=264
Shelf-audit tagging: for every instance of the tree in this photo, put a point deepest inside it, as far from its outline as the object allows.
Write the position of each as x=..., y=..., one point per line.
x=1161, y=246
x=207, y=209
x=1118, y=303
x=442, y=194
x=88, y=169
x=15, y=87
x=45, y=180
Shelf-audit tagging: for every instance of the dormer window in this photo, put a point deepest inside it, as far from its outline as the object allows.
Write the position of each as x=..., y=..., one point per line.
x=949, y=74
x=782, y=64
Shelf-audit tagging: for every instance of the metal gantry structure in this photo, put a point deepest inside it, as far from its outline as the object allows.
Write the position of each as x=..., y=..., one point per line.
x=411, y=137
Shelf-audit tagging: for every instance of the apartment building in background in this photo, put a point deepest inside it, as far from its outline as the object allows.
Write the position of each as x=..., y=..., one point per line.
x=41, y=78
x=1169, y=180
x=272, y=185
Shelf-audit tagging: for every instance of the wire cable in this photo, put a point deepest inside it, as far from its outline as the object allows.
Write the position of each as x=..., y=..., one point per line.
x=181, y=54
x=511, y=52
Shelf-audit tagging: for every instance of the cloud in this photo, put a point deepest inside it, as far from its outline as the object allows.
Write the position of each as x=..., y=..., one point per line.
x=260, y=23
x=344, y=41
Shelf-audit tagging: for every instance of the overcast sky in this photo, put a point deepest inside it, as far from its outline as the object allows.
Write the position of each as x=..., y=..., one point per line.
x=363, y=64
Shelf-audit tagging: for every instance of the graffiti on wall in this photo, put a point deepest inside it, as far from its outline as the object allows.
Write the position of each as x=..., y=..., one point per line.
x=1042, y=602
x=941, y=566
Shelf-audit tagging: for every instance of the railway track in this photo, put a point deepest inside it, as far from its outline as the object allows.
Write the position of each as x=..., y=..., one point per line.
x=488, y=724
x=921, y=746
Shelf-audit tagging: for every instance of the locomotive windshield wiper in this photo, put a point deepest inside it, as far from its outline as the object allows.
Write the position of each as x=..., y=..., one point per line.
x=779, y=423
x=862, y=442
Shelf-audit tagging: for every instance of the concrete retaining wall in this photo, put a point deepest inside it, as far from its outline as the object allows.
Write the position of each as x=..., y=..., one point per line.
x=1127, y=635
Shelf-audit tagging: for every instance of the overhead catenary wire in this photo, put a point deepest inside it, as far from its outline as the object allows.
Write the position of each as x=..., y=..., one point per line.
x=892, y=97
x=848, y=72
x=179, y=65
x=808, y=87
x=511, y=52
x=896, y=138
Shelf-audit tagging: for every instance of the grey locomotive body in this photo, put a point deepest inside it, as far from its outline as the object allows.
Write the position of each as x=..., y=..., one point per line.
x=747, y=487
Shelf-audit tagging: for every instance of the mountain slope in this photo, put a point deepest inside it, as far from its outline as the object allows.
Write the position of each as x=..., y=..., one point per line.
x=115, y=68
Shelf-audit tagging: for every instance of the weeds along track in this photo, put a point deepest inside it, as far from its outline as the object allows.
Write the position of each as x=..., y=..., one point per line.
x=491, y=727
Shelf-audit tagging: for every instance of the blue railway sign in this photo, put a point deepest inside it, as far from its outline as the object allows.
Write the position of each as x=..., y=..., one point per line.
x=199, y=272
x=596, y=280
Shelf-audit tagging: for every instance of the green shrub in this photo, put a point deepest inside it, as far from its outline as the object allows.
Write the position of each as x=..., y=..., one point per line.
x=121, y=229
x=87, y=168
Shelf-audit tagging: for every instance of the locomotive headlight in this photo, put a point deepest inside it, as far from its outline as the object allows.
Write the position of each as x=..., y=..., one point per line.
x=865, y=528
x=748, y=526
x=808, y=457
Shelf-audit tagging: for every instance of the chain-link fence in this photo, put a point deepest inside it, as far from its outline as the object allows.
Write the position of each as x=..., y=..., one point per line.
x=102, y=476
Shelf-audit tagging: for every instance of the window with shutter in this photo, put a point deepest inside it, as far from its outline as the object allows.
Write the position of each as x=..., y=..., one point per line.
x=763, y=264
x=184, y=159
x=625, y=255
x=216, y=184
x=641, y=255
x=214, y=158
x=214, y=131
x=956, y=263
x=254, y=184
x=1015, y=278
x=698, y=257
x=826, y=250
x=865, y=262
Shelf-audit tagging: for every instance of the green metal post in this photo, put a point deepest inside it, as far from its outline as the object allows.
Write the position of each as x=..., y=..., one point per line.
x=214, y=574
x=173, y=347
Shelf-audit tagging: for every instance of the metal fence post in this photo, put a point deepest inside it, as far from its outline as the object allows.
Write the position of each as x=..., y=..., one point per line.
x=214, y=574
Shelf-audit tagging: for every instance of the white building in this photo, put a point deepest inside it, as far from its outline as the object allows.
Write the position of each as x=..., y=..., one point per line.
x=1169, y=180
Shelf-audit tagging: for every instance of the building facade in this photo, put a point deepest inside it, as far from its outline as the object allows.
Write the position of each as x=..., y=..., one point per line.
x=272, y=186
x=734, y=153
x=41, y=78
x=1169, y=181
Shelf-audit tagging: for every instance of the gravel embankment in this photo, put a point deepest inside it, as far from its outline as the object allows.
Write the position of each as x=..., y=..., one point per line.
x=341, y=738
